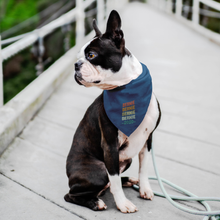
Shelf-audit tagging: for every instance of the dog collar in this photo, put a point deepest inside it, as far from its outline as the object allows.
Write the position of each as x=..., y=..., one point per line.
x=127, y=105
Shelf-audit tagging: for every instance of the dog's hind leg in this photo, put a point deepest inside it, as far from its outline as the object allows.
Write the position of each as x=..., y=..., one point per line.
x=91, y=202
x=129, y=181
x=85, y=187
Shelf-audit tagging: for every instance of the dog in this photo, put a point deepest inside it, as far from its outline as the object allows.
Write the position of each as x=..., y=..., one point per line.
x=101, y=151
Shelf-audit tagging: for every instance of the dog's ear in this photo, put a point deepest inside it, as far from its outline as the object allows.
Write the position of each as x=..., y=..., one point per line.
x=97, y=31
x=113, y=29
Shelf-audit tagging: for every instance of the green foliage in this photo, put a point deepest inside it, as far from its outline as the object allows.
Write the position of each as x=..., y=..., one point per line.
x=42, y=4
x=13, y=85
x=214, y=24
x=14, y=12
x=19, y=71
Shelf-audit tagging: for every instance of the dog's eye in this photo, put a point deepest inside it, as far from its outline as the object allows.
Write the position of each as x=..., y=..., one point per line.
x=91, y=55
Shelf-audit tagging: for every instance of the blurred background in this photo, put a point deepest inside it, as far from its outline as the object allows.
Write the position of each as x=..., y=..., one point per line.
x=23, y=16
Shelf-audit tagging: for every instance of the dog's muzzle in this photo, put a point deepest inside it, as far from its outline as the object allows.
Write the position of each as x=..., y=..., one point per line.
x=78, y=78
x=78, y=75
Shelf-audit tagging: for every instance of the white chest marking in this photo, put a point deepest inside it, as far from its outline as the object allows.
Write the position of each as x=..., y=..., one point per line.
x=138, y=138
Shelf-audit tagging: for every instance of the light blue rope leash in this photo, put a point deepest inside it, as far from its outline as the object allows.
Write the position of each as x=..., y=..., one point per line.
x=191, y=197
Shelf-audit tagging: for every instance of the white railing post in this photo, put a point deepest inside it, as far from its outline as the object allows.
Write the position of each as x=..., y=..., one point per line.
x=80, y=16
x=153, y=3
x=158, y=4
x=169, y=6
x=124, y=2
x=110, y=6
x=195, y=17
x=179, y=5
x=101, y=11
x=1, y=77
x=162, y=5
x=115, y=4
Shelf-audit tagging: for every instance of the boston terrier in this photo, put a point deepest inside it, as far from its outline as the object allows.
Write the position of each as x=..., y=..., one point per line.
x=117, y=126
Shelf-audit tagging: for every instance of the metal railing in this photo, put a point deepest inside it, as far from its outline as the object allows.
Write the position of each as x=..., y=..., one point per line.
x=16, y=113
x=169, y=5
x=77, y=15
x=1, y=78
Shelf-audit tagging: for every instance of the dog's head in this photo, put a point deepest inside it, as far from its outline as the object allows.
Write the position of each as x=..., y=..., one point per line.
x=104, y=61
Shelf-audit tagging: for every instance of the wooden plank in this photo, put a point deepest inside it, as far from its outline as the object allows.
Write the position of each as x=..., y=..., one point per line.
x=18, y=202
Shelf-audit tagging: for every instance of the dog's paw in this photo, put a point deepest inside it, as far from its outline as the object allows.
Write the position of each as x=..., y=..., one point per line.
x=101, y=205
x=126, y=206
x=131, y=181
x=146, y=193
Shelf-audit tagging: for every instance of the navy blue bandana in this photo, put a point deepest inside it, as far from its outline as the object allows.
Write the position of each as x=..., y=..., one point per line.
x=126, y=106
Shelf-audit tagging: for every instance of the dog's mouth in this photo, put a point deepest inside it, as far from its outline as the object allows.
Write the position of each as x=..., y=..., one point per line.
x=81, y=81
x=97, y=81
x=78, y=78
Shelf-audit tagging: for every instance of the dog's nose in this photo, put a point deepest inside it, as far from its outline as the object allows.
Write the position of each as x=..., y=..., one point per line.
x=78, y=65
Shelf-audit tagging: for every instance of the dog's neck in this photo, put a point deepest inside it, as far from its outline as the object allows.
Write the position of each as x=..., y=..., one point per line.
x=131, y=68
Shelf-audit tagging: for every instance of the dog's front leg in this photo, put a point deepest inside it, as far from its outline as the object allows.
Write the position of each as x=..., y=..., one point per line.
x=145, y=188
x=122, y=203
x=109, y=143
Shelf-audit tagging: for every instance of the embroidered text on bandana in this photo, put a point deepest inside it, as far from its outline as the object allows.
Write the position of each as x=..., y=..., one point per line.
x=127, y=105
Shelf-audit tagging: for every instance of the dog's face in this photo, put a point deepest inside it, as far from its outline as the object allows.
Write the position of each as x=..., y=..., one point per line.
x=105, y=62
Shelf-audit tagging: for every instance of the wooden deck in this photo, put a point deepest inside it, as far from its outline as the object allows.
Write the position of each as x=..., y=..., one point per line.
x=185, y=69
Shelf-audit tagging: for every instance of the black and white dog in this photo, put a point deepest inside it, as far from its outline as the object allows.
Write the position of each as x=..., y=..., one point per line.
x=100, y=152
